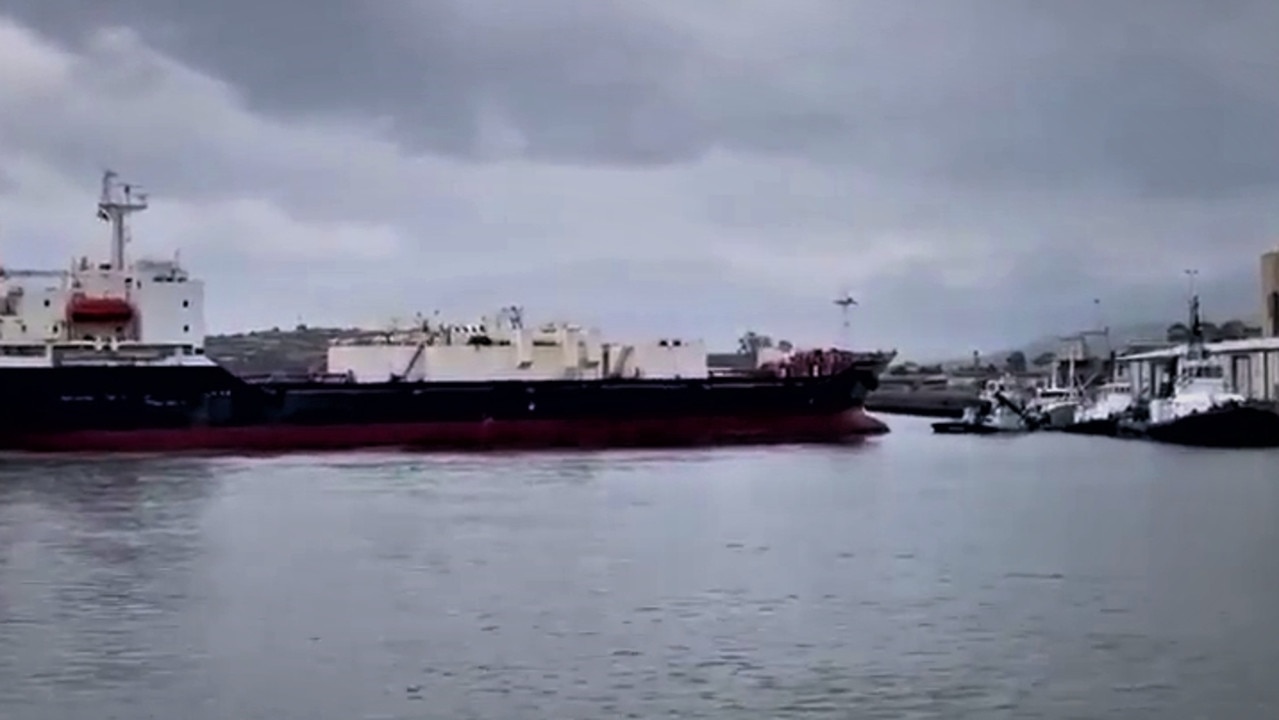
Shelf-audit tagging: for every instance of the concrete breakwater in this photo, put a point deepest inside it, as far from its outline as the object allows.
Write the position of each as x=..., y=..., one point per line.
x=923, y=402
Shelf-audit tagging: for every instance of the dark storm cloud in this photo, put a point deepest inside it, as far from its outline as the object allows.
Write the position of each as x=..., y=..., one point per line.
x=982, y=168
x=1126, y=95
x=585, y=81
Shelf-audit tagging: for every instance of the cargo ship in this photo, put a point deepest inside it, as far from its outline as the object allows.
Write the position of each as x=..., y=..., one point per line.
x=109, y=357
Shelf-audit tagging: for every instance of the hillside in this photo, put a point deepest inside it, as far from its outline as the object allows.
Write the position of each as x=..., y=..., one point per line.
x=267, y=351
x=1120, y=337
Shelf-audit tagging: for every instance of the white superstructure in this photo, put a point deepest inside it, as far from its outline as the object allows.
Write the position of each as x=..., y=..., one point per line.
x=117, y=312
x=502, y=347
x=1107, y=402
x=1056, y=406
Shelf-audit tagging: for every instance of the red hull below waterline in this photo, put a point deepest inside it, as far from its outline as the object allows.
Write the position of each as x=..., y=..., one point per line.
x=491, y=435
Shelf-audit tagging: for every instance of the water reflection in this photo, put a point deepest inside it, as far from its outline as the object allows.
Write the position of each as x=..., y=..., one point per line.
x=96, y=562
x=915, y=577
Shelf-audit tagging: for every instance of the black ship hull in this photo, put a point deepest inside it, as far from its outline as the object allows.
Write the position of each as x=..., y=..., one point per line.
x=1235, y=426
x=962, y=427
x=1104, y=427
x=161, y=409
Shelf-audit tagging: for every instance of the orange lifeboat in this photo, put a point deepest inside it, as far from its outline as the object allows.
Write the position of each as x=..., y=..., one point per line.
x=85, y=309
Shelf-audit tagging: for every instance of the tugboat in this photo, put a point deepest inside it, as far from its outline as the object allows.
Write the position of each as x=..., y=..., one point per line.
x=1057, y=403
x=109, y=357
x=1200, y=410
x=998, y=410
x=1102, y=412
x=1055, y=407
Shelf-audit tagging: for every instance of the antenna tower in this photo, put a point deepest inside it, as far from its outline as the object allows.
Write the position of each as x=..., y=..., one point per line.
x=118, y=201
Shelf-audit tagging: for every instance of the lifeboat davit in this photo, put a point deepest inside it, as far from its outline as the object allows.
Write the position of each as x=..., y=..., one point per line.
x=85, y=309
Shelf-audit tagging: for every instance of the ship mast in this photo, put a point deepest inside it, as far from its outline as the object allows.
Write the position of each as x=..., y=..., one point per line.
x=845, y=302
x=115, y=208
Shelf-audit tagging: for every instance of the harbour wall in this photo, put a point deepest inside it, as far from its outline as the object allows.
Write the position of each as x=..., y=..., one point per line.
x=925, y=402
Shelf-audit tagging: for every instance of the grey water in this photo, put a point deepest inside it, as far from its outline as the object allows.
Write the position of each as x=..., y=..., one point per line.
x=915, y=576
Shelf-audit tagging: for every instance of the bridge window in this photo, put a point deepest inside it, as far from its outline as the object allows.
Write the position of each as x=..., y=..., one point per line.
x=186, y=303
x=23, y=350
x=186, y=328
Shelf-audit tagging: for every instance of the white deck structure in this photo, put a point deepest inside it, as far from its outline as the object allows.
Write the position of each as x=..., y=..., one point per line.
x=502, y=347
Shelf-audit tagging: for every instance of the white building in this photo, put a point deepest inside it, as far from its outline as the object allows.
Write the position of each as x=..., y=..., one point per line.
x=1251, y=367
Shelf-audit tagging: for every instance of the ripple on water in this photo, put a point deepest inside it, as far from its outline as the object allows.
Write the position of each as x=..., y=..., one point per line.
x=906, y=579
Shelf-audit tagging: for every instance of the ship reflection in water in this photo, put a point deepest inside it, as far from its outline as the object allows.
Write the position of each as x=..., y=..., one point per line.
x=917, y=576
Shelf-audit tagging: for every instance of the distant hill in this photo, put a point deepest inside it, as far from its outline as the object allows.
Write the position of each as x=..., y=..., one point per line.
x=262, y=352
x=1120, y=337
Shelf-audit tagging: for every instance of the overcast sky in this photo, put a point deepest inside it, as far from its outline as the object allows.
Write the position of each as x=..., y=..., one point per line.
x=975, y=172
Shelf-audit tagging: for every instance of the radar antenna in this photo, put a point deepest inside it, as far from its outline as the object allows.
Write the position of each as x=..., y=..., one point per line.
x=118, y=201
x=515, y=316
